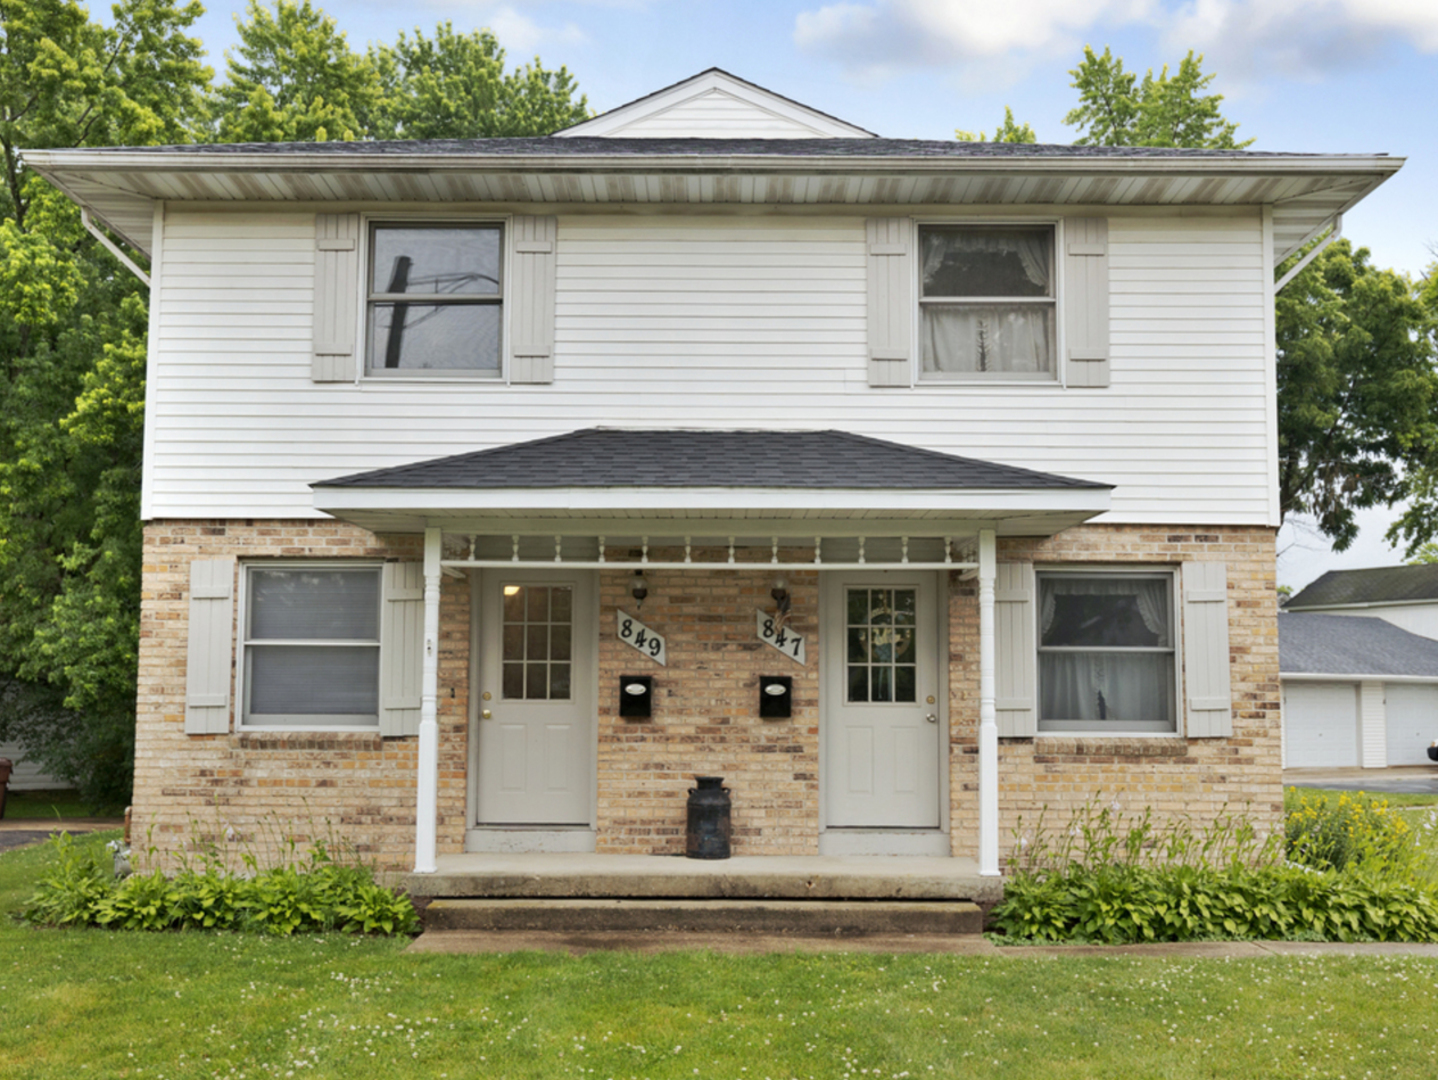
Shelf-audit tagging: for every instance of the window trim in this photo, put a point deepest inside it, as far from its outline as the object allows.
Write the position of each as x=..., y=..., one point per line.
x=242, y=639
x=1113, y=728
x=427, y=219
x=976, y=379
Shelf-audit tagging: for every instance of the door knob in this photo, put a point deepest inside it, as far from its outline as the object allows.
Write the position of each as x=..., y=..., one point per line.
x=932, y=718
x=485, y=714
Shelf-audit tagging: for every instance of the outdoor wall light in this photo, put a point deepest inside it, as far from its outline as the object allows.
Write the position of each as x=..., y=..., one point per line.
x=640, y=589
x=780, y=593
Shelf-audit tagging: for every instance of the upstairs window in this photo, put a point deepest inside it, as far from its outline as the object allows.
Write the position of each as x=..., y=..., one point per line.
x=987, y=302
x=434, y=301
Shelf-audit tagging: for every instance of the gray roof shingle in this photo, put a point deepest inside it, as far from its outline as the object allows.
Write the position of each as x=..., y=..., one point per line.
x=1375, y=585
x=1351, y=645
x=613, y=457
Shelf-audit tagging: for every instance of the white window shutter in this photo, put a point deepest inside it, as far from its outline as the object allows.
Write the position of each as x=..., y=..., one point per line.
x=529, y=293
x=1016, y=649
x=401, y=649
x=1205, y=650
x=210, y=649
x=1085, y=301
x=337, y=297
x=891, y=301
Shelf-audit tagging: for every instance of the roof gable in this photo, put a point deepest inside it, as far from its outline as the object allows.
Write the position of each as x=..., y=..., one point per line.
x=715, y=104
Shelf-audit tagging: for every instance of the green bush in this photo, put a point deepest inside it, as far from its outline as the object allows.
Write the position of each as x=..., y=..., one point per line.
x=315, y=895
x=1116, y=880
x=1350, y=830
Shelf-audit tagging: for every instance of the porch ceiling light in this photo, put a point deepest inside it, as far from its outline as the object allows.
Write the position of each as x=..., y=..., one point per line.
x=640, y=589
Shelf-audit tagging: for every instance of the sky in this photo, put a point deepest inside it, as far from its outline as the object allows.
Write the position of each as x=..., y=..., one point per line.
x=1336, y=76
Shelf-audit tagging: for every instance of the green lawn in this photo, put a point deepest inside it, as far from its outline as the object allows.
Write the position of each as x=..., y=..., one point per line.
x=1395, y=800
x=101, y=1004
x=51, y=805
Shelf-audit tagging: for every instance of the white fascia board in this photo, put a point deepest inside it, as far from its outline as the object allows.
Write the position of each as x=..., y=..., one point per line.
x=1320, y=609
x=778, y=500
x=1308, y=676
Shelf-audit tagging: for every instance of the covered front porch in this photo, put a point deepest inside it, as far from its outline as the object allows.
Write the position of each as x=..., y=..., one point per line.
x=821, y=558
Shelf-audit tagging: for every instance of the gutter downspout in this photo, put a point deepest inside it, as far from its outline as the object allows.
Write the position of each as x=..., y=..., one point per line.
x=1333, y=234
x=112, y=247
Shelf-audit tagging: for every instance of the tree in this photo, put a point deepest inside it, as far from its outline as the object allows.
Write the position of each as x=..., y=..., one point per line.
x=293, y=78
x=454, y=86
x=1007, y=132
x=72, y=325
x=1356, y=391
x=1116, y=109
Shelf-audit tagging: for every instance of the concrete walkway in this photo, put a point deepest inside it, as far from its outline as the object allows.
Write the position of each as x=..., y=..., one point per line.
x=1400, y=780
x=736, y=944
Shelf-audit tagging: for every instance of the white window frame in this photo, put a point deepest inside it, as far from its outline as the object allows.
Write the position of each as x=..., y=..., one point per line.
x=970, y=381
x=1111, y=728
x=423, y=219
x=303, y=721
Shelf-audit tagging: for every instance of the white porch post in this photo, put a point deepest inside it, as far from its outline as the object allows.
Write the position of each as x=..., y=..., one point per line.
x=988, y=720
x=427, y=782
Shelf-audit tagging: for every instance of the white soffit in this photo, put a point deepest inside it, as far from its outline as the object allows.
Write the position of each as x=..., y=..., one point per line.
x=715, y=104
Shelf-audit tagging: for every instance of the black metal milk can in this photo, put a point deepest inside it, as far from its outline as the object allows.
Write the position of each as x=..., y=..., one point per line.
x=708, y=834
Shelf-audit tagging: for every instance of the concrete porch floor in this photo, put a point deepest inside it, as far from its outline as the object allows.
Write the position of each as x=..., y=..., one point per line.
x=744, y=877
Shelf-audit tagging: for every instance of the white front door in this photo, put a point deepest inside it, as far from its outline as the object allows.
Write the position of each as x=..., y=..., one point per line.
x=881, y=689
x=535, y=708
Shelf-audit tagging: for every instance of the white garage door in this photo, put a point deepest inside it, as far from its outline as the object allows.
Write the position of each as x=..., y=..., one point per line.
x=1321, y=724
x=1412, y=722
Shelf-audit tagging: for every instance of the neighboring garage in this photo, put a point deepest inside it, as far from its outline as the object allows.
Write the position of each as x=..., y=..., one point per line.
x=1357, y=691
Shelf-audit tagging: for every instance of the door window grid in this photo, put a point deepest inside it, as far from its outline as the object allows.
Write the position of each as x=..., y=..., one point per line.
x=881, y=649
x=538, y=635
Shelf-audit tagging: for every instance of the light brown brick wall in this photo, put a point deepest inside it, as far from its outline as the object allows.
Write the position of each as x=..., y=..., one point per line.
x=1197, y=777
x=706, y=709
x=356, y=787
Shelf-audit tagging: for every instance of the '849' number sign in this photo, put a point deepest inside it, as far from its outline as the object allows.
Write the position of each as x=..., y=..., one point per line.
x=638, y=636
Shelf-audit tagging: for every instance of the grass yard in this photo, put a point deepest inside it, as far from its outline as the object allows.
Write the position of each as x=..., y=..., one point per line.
x=102, y=1004
x=1396, y=799
x=41, y=805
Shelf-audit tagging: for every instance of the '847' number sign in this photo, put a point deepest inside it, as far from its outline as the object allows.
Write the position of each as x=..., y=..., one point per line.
x=781, y=638
x=638, y=636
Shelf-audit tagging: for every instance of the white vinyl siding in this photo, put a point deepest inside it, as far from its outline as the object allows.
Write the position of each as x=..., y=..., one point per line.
x=715, y=114
x=28, y=775
x=707, y=321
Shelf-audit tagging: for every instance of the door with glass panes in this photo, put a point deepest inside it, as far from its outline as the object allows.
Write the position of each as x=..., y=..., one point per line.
x=883, y=736
x=534, y=713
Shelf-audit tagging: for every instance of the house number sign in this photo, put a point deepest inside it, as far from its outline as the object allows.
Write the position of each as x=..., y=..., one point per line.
x=642, y=639
x=781, y=638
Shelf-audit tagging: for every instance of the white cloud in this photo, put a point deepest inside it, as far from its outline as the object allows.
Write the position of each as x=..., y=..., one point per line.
x=1243, y=38
x=521, y=36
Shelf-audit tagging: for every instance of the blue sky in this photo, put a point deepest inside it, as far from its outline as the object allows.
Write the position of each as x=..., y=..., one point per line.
x=1358, y=76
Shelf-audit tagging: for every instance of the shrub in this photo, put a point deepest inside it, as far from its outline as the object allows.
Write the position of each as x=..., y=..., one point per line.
x=1118, y=880
x=313, y=895
x=1352, y=830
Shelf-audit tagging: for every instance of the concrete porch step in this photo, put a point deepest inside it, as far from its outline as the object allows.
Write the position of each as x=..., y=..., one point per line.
x=816, y=918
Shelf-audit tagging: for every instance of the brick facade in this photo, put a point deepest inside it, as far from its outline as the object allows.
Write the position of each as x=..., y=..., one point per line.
x=706, y=710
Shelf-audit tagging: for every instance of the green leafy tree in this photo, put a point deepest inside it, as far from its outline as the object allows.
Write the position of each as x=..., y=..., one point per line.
x=1356, y=390
x=1117, y=109
x=1009, y=131
x=293, y=78
x=454, y=86
x=72, y=326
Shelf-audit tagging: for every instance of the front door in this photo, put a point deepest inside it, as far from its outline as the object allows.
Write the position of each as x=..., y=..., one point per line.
x=535, y=707
x=881, y=692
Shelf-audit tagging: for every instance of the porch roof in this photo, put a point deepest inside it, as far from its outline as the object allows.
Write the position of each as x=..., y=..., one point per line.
x=601, y=474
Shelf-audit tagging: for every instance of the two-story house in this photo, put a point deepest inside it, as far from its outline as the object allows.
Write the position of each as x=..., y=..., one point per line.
x=495, y=489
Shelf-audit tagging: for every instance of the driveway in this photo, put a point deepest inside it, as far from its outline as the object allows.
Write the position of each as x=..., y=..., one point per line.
x=19, y=832
x=1407, y=780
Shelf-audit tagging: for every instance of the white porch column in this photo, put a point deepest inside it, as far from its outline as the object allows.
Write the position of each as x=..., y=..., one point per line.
x=427, y=782
x=988, y=719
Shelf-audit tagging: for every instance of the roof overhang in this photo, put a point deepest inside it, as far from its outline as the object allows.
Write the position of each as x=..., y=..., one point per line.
x=122, y=186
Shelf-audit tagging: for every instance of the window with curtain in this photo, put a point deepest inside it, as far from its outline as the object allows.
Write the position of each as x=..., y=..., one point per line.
x=1106, y=652
x=434, y=300
x=987, y=302
x=311, y=646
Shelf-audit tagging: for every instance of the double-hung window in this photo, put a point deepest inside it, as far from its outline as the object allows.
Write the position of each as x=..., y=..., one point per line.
x=1106, y=652
x=434, y=300
x=311, y=646
x=987, y=302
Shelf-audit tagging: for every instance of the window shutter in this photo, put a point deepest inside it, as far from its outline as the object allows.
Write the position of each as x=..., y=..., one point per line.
x=530, y=296
x=1085, y=300
x=401, y=649
x=1205, y=650
x=1016, y=648
x=891, y=303
x=337, y=293
x=207, y=658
